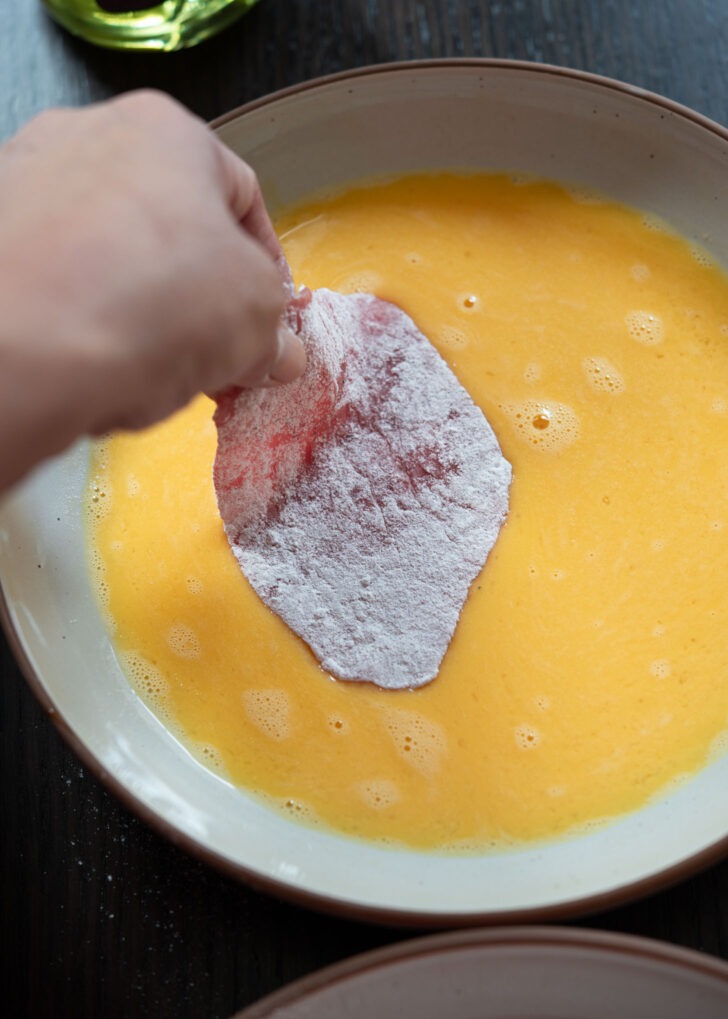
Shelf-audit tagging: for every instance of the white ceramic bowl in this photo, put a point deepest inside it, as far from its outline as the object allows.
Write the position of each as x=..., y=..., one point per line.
x=641, y=149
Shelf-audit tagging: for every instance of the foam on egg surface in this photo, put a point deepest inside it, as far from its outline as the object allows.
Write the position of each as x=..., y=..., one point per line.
x=589, y=669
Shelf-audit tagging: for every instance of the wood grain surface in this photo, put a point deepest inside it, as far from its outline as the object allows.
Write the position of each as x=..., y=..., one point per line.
x=101, y=918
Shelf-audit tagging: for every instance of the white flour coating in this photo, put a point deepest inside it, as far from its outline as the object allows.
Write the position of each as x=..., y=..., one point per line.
x=362, y=500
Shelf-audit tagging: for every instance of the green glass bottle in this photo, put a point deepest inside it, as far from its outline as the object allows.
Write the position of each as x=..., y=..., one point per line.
x=146, y=24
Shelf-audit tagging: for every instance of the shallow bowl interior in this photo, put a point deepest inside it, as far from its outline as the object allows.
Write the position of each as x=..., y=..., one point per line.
x=469, y=115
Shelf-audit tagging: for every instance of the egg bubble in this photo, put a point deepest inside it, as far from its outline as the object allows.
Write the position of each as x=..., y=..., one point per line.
x=133, y=488
x=300, y=811
x=148, y=682
x=591, y=825
x=645, y=327
x=451, y=336
x=270, y=711
x=478, y=844
x=544, y=424
x=723, y=329
x=719, y=406
x=101, y=455
x=98, y=500
x=463, y=847
x=584, y=195
x=672, y=785
x=640, y=272
x=701, y=256
x=194, y=585
x=414, y=258
x=363, y=282
x=378, y=793
x=602, y=375
x=660, y=668
x=338, y=725
x=532, y=372
x=542, y=702
x=98, y=577
x=183, y=641
x=527, y=737
x=417, y=739
x=651, y=221
x=468, y=302
x=210, y=757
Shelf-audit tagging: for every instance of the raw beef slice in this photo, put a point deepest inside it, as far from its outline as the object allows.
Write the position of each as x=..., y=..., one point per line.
x=362, y=500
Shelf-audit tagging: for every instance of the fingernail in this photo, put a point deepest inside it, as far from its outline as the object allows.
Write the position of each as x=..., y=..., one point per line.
x=291, y=360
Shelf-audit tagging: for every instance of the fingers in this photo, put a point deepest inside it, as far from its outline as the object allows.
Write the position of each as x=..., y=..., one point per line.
x=245, y=201
x=239, y=309
x=289, y=361
x=269, y=352
x=286, y=355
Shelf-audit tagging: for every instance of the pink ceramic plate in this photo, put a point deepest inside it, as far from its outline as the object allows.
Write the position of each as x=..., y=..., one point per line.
x=531, y=973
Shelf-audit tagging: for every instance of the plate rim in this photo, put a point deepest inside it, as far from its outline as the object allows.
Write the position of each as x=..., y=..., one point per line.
x=481, y=63
x=604, y=943
x=333, y=905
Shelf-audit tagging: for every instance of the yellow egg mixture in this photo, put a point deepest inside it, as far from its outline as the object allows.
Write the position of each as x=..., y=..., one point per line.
x=589, y=670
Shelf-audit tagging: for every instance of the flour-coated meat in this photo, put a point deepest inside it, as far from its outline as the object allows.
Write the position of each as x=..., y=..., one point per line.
x=363, y=499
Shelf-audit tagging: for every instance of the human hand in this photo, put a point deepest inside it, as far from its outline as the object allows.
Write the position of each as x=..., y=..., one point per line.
x=137, y=268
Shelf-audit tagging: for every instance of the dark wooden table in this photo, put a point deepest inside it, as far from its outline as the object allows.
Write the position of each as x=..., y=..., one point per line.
x=102, y=918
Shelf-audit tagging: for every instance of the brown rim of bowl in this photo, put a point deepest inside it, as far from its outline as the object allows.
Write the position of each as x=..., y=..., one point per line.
x=483, y=63
x=605, y=942
x=383, y=915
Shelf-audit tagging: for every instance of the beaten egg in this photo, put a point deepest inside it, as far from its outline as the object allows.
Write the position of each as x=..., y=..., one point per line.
x=589, y=670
